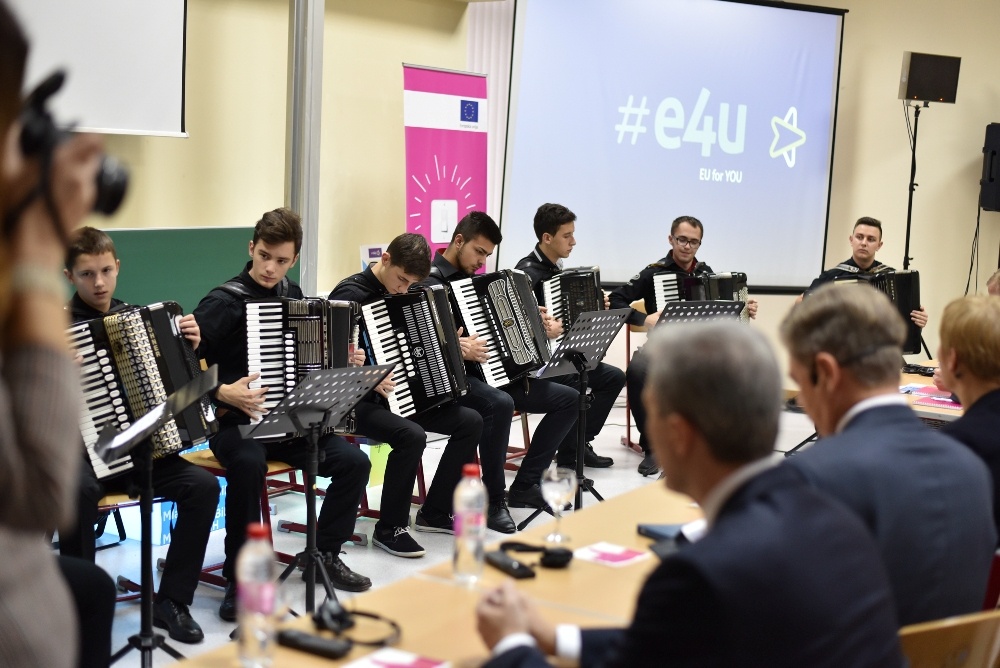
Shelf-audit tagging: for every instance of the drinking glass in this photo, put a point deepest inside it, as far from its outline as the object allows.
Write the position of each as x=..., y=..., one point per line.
x=558, y=489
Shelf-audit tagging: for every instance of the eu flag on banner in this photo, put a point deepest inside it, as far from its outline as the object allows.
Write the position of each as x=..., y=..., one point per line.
x=470, y=111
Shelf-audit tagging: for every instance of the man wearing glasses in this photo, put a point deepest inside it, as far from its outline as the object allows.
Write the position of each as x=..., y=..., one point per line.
x=685, y=238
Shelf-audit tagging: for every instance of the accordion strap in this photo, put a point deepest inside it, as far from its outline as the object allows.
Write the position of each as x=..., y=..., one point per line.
x=237, y=289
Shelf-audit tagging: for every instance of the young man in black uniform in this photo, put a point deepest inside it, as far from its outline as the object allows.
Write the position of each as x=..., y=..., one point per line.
x=92, y=267
x=277, y=239
x=475, y=238
x=686, y=233
x=554, y=226
x=866, y=240
x=405, y=262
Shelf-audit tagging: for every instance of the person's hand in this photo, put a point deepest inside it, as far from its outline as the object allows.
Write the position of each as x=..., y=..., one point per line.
x=607, y=302
x=243, y=397
x=356, y=357
x=542, y=630
x=919, y=317
x=652, y=319
x=939, y=381
x=752, y=307
x=191, y=330
x=74, y=188
x=500, y=613
x=386, y=387
x=473, y=348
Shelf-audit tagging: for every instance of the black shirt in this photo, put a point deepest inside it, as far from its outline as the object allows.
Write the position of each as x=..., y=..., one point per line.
x=362, y=288
x=539, y=268
x=849, y=268
x=641, y=287
x=442, y=271
x=223, y=331
x=80, y=310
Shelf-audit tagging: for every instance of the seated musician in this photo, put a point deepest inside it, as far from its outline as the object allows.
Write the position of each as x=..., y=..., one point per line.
x=277, y=239
x=404, y=263
x=784, y=577
x=475, y=238
x=92, y=267
x=685, y=239
x=554, y=227
x=866, y=240
x=925, y=498
x=969, y=362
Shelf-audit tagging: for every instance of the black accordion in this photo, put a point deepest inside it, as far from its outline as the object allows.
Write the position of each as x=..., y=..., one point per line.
x=572, y=292
x=131, y=361
x=501, y=308
x=717, y=287
x=287, y=339
x=903, y=290
x=416, y=332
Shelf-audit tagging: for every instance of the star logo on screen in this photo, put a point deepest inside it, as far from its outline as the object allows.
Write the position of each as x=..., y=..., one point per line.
x=470, y=111
x=787, y=136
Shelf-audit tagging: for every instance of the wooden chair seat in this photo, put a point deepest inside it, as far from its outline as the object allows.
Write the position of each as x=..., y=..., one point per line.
x=971, y=641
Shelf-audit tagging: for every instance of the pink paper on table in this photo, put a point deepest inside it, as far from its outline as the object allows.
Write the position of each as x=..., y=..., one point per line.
x=610, y=554
x=938, y=403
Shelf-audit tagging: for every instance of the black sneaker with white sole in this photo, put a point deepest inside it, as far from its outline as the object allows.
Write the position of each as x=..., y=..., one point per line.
x=429, y=520
x=397, y=542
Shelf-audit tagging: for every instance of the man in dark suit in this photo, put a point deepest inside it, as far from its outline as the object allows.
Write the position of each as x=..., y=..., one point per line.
x=924, y=497
x=784, y=576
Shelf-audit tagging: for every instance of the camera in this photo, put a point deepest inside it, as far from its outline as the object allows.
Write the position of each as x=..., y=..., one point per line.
x=40, y=136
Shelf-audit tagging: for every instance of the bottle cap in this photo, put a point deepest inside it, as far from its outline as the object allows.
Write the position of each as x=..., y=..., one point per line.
x=470, y=470
x=258, y=530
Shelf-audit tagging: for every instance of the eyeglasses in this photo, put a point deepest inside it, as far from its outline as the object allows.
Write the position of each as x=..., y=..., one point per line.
x=690, y=243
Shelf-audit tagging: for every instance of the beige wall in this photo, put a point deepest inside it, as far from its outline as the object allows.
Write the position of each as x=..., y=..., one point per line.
x=231, y=168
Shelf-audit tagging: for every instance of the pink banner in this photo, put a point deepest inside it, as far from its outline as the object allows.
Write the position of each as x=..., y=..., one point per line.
x=445, y=115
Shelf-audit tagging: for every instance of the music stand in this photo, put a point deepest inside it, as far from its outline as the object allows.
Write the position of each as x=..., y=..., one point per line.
x=693, y=311
x=110, y=446
x=322, y=398
x=582, y=348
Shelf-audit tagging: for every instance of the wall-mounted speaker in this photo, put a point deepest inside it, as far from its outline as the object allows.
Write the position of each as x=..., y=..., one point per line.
x=926, y=77
x=989, y=185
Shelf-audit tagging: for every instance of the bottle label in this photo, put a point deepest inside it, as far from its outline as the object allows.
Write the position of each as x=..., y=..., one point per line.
x=468, y=521
x=256, y=596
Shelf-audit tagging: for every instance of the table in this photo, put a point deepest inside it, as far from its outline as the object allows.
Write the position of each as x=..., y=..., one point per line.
x=437, y=616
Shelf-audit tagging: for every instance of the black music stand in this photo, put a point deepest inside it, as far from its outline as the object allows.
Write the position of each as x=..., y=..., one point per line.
x=582, y=348
x=321, y=399
x=694, y=311
x=110, y=446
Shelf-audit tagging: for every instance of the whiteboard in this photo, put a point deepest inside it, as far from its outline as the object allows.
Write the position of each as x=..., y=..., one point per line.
x=124, y=60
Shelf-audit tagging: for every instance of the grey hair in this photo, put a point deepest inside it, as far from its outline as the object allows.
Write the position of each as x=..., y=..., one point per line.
x=854, y=323
x=722, y=377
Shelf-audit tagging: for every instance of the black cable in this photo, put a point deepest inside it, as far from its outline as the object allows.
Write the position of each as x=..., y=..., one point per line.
x=974, y=254
x=909, y=129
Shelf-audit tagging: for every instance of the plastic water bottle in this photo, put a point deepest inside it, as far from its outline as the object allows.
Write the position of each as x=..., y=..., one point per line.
x=256, y=596
x=470, y=526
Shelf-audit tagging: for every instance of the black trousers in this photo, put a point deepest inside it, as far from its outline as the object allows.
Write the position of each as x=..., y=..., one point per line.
x=192, y=488
x=606, y=383
x=245, y=460
x=93, y=593
x=559, y=404
x=497, y=410
x=635, y=380
x=407, y=438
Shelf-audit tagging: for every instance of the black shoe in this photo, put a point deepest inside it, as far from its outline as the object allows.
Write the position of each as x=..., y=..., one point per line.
x=429, y=520
x=397, y=541
x=526, y=497
x=227, y=611
x=341, y=576
x=176, y=618
x=594, y=460
x=498, y=518
x=648, y=465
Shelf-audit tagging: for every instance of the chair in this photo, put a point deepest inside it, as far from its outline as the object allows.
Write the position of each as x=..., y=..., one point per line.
x=112, y=504
x=968, y=640
x=640, y=306
x=514, y=452
x=365, y=510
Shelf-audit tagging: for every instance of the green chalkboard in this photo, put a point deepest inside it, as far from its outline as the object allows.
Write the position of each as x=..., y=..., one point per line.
x=179, y=264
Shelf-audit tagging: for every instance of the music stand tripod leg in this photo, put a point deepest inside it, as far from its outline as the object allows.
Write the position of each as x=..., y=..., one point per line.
x=146, y=641
x=580, y=362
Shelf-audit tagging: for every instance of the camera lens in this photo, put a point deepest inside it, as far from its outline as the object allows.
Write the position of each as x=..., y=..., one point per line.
x=112, y=182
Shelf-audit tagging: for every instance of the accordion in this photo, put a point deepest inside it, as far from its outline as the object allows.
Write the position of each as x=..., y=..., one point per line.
x=287, y=339
x=131, y=361
x=416, y=332
x=572, y=292
x=717, y=287
x=501, y=308
x=903, y=290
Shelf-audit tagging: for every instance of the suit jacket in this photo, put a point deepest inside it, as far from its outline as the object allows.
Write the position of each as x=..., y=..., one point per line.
x=925, y=498
x=784, y=577
x=979, y=429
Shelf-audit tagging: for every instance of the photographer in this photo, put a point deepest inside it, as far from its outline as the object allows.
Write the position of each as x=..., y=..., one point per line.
x=39, y=392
